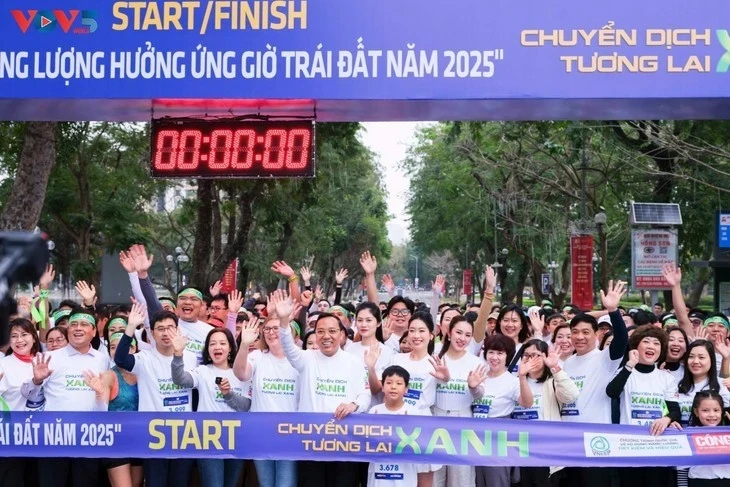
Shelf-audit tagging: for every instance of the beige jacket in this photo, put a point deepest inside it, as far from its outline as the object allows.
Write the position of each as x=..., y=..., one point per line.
x=557, y=390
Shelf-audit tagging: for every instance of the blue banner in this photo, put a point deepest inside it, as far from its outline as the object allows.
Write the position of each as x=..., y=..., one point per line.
x=363, y=438
x=362, y=50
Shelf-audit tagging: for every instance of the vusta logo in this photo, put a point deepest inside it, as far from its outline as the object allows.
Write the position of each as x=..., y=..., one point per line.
x=47, y=20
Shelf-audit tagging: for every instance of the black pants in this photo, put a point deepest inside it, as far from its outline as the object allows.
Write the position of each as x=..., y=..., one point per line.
x=163, y=472
x=12, y=471
x=709, y=482
x=586, y=477
x=60, y=472
x=328, y=474
x=647, y=477
x=534, y=476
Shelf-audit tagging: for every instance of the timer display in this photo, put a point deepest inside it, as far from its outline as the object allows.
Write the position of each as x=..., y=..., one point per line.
x=232, y=149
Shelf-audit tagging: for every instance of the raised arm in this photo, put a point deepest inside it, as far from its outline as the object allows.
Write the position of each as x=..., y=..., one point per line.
x=485, y=308
x=437, y=288
x=673, y=275
x=235, y=301
x=618, y=383
x=285, y=310
x=143, y=262
x=285, y=270
x=242, y=368
x=340, y=277
x=369, y=265
x=122, y=357
x=611, y=301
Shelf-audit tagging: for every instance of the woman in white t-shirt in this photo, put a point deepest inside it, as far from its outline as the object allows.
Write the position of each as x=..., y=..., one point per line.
x=274, y=388
x=512, y=323
x=370, y=348
x=500, y=393
x=454, y=398
x=647, y=397
x=17, y=368
x=676, y=352
x=219, y=391
x=561, y=342
x=425, y=371
x=700, y=374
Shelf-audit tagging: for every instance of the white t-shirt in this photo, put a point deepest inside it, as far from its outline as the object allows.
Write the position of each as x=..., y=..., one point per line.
x=454, y=395
x=386, y=355
x=686, y=400
x=644, y=397
x=196, y=333
x=393, y=342
x=421, y=392
x=393, y=474
x=535, y=411
x=274, y=384
x=65, y=389
x=326, y=382
x=157, y=392
x=707, y=472
x=211, y=398
x=15, y=372
x=591, y=373
x=500, y=397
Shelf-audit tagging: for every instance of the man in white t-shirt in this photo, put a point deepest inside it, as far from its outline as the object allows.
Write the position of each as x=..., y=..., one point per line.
x=157, y=391
x=591, y=370
x=59, y=377
x=331, y=381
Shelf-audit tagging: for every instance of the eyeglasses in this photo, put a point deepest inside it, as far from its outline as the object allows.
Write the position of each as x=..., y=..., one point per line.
x=530, y=356
x=57, y=341
x=165, y=329
x=217, y=308
x=271, y=329
x=399, y=312
x=80, y=324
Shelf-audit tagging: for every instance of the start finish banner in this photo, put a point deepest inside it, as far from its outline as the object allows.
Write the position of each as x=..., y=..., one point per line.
x=362, y=438
x=364, y=49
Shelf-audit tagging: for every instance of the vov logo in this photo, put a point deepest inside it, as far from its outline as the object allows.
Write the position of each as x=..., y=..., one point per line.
x=48, y=20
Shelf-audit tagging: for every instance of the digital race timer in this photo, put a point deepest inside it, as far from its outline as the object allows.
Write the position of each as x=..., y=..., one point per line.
x=232, y=148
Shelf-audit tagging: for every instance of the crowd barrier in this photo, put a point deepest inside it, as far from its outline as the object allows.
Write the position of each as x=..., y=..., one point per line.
x=360, y=437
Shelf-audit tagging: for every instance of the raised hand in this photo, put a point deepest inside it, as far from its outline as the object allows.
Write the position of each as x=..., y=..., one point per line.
x=340, y=276
x=439, y=284
x=440, y=370
x=368, y=263
x=552, y=359
x=41, y=371
x=387, y=328
x=142, y=261
x=306, y=298
x=179, y=342
x=611, y=299
x=282, y=268
x=701, y=334
x=306, y=275
x=721, y=347
x=372, y=355
x=633, y=358
x=531, y=365
x=318, y=292
x=284, y=309
x=249, y=333
x=235, y=301
x=476, y=377
x=215, y=289
x=672, y=274
x=387, y=281
x=537, y=322
x=47, y=278
x=127, y=262
x=94, y=381
x=87, y=293
x=136, y=316
x=490, y=278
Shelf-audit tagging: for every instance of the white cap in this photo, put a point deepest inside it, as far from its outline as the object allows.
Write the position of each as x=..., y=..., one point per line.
x=605, y=319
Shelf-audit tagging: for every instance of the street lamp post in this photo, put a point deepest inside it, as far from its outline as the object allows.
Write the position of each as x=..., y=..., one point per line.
x=177, y=259
x=553, y=266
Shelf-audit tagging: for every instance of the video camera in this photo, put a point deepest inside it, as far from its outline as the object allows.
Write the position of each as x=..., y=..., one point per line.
x=23, y=258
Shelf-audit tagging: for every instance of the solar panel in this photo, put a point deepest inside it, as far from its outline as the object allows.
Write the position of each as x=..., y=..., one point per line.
x=655, y=214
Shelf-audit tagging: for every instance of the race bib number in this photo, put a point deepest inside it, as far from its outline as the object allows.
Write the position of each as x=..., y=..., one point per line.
x=644, y=417
x=480, y=410
x=570, y=410
x=388, y=471
x=175, y=401
x=413, y=394
x=525, y=414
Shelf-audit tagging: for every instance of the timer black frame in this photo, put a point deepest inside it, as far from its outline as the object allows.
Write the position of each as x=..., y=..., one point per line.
x=232, y=148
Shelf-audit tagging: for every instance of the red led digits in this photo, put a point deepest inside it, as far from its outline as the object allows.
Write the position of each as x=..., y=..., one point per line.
x=220, y=149
x=243, y=142
x=189, y=150
x=275, y=149
x=166, y=158
x=297, y=145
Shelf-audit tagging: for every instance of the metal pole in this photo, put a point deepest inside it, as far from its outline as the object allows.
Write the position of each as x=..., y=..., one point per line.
x=584, y=167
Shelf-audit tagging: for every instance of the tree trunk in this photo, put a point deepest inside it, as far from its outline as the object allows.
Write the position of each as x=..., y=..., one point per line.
x=23, y=208
x=217, y=228
x=703, y=277
x=203, y=230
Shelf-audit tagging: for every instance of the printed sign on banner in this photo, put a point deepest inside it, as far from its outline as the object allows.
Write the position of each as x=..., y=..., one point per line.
x=581, y=271
x=615, y=445
x=651, y=249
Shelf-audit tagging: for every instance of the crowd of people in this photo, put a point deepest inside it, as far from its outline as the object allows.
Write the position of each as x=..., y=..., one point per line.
x=298, y=351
